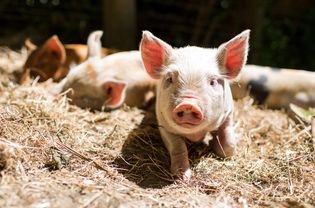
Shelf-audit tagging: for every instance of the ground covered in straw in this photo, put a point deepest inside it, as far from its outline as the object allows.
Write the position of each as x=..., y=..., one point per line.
x=53, y=154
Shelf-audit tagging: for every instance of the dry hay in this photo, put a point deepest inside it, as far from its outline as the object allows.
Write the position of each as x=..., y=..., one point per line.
x=53, y=154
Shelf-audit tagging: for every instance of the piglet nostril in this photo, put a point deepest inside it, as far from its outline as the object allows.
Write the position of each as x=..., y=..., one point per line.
x=180, y=114
x=196, y=115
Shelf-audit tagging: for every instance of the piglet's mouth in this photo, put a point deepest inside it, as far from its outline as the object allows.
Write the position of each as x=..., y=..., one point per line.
x=188, y=125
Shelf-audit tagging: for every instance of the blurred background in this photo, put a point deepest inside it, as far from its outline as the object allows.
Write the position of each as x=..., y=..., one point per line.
x=283, y=31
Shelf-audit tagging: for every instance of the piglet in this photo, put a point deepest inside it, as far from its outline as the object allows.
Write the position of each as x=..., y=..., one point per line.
x=276, y=87
x=193, y=94
x=54, y=59
x=107, y=83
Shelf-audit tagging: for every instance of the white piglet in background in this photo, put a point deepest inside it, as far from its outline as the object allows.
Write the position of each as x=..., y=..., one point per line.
x=193, y=94
x=108, y=82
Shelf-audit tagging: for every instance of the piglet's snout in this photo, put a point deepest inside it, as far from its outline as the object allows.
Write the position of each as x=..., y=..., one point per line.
x=187, y=114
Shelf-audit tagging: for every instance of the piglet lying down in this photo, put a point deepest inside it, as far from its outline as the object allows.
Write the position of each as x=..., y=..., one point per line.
x=193, y=94
x=53, y=59
x=106, y=83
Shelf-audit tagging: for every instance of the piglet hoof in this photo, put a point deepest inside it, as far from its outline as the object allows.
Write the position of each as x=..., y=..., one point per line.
x=184, y=175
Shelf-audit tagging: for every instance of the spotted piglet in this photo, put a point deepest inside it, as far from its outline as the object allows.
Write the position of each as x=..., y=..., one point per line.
x=193, y=94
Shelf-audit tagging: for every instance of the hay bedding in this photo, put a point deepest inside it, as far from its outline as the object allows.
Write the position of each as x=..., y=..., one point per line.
x=53, y=154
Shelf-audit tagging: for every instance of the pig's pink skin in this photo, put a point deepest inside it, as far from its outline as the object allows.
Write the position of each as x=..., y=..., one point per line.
x=197, y=79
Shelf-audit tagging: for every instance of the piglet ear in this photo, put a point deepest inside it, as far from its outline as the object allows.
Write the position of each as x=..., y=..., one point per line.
x=56, y=48
x=232, y=55
x=114, y=93
x=154, y=53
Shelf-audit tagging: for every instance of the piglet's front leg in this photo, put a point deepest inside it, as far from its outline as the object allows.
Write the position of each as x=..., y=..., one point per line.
x=177, y=149
x=224, y=141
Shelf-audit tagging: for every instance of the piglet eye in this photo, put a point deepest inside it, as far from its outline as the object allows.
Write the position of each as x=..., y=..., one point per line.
x=213, y=82
x=169, y=80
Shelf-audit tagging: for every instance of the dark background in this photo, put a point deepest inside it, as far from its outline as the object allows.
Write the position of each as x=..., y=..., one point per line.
x=283, y=31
